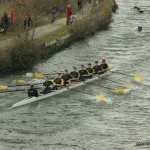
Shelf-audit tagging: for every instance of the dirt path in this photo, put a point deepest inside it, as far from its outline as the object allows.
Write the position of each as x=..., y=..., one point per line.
x=47, y=29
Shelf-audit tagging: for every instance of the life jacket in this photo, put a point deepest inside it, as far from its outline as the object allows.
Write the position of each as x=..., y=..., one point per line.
x=74, y=75
x=104, y=66
x=66, y=77
x=90, y=70
x=57, y=81
x=83, y=72
x=32, y=92
x=96, y=69
x=47, y=83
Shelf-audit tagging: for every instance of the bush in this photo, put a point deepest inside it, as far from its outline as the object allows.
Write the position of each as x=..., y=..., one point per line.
x=22, y=56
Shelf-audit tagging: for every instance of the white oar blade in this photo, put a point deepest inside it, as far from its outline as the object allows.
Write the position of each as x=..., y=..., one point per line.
x=28, y=74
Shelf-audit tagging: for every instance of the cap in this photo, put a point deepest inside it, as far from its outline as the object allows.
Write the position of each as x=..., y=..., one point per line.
x=96, y=62
x=89, y=64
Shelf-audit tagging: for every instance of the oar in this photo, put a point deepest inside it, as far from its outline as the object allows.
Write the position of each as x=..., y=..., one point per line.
x=39, y=74
x=17, y=90
x=5, y=87
x=126, y=85
x=136, y=78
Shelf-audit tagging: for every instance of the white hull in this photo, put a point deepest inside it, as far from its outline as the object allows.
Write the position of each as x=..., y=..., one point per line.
x=56, y=92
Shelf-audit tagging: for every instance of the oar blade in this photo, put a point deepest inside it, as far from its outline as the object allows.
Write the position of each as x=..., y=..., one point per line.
x=28, y=74
x=118, y=90
x=37, y=75
x=20, y=81
x=3, y=87
x=127, y=85
x=100, y=97
x=138, y=78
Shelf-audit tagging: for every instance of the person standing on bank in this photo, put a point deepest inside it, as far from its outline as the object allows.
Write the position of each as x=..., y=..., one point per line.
x=68, y=14
x=54, y=11
x=79, y=3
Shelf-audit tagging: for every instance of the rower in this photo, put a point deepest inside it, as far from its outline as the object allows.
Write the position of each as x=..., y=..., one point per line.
x=97, y=68
x=47, y=86
x=57, y=82
x=66, y=78
x=75, y=75
x=84, y=74
x=104, y=66
x=90, y=69
x=32, y=92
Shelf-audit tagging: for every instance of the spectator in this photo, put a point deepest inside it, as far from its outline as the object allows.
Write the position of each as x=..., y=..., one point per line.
x=11, y=16
x=68, y=14
x=79, y=3
x=5, y=21
x=72, y=19
x=54, y=11
x=27, y=23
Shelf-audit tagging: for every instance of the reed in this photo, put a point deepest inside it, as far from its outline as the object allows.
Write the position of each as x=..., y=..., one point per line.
x=99, y=19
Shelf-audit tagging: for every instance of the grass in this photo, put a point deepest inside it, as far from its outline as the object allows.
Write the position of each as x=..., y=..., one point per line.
x=41, y=22
x=54, y=35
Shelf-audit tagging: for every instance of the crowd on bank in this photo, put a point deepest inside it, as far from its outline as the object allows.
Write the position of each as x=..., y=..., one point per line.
x=66, y=79
x=7, y=20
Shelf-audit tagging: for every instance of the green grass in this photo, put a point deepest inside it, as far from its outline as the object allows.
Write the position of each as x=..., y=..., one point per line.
x=54, y=35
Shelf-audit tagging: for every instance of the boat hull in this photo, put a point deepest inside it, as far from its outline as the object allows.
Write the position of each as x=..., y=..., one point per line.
x=56, y=92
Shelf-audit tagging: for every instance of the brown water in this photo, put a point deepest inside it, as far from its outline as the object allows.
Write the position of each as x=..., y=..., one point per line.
x=75, y=120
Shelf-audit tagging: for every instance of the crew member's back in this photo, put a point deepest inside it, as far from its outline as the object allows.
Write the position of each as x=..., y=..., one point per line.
x=104, y=66
x=32, y=92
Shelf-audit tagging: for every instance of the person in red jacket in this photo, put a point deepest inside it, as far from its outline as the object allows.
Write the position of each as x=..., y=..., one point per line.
x=68, y=14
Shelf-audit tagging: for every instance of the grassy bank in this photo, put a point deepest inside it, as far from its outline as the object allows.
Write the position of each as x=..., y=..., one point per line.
x=22, y=54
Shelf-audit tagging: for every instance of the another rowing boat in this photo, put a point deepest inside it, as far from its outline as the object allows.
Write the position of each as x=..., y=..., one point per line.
x=56, y=92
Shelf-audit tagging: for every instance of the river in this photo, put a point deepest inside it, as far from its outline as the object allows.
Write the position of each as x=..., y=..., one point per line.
x=75, y=120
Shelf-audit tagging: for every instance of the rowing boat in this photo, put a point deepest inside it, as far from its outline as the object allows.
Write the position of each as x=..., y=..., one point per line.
x=56, y=92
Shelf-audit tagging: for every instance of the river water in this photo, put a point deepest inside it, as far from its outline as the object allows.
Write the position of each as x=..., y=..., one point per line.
x=75, y=120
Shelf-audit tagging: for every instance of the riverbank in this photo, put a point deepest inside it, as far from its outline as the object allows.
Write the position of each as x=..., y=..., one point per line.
x=20, y=55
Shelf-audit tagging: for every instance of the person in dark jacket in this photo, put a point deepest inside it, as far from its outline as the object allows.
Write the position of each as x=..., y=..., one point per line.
x=90, y=69
x=97, y=68
x=104, y=66
x=5, y=21
x=57, y=82
x=84, y=74
x=79, y=3
x=27, y=23
x=47, y=86
x=75, y=75
x=54, y=11
x=66, y=78
x=32, y=92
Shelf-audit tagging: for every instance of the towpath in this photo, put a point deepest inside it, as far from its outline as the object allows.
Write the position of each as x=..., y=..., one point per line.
x=47, y=29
